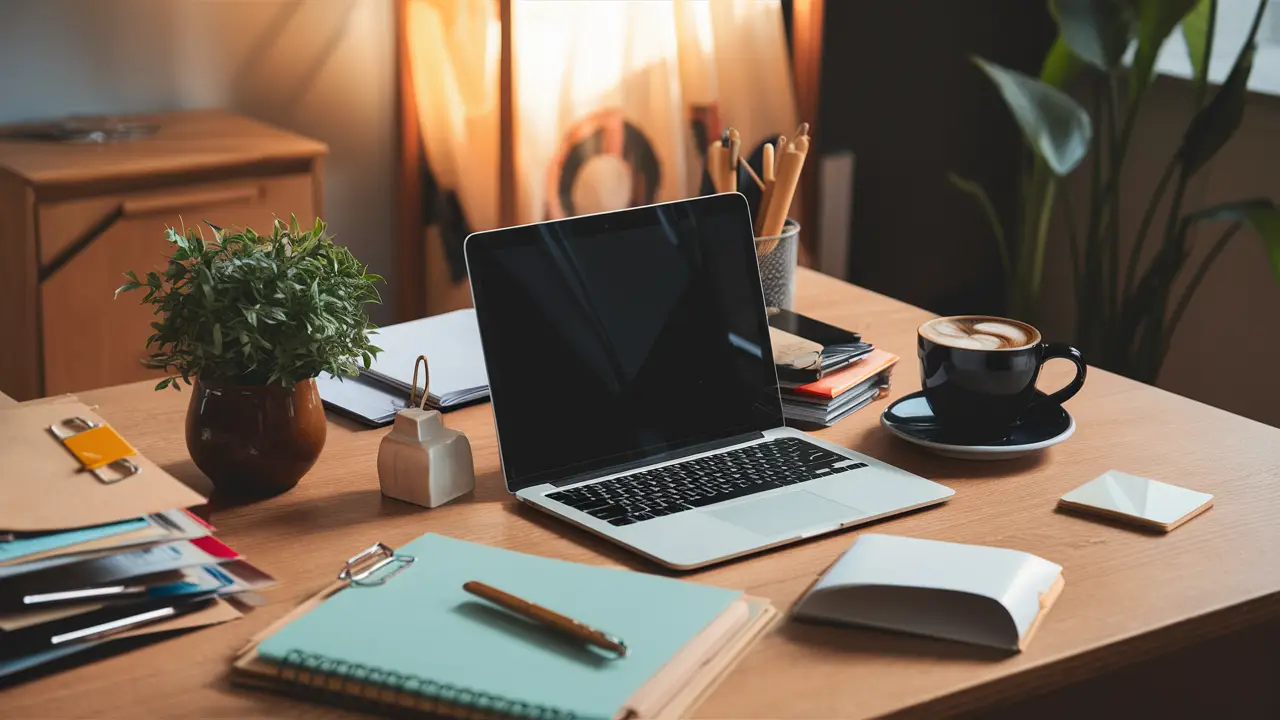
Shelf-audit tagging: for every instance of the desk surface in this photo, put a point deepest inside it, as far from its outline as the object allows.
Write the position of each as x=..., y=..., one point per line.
x=1129, y=595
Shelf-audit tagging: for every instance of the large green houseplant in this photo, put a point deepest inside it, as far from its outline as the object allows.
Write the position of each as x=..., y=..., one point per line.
x=1128, y=305
x=251, y=320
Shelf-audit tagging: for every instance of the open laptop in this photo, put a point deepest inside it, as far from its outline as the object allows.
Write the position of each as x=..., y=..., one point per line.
x=634, y=390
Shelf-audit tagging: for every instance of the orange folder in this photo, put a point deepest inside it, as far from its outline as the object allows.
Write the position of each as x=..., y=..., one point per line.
x=840, y=381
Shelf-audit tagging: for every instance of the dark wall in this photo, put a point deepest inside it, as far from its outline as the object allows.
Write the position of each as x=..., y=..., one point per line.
x=899, y=90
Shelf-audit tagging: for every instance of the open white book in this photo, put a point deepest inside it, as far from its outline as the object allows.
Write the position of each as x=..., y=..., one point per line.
x=970, y=593
x=450, y=341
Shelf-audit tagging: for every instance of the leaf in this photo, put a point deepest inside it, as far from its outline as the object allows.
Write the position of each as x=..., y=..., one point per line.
x=1260, y=213
x=1060, y=66
x=1055, y=125
x=1196, y=29
x=164, y=383
x=217, y=339
x=1156, y=20
x=1216, y=122
x=980, y=195
x=1097, y=31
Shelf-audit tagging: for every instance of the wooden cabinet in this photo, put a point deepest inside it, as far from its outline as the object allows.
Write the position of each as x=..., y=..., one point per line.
x=74, y=217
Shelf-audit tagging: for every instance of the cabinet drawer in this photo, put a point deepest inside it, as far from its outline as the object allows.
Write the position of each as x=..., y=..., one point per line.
x=90, y=340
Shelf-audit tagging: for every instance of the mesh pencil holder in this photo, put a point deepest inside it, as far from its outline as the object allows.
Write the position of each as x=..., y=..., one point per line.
x=776, y=256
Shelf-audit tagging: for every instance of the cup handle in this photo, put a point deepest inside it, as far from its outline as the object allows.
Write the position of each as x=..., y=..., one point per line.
x=1066, y=352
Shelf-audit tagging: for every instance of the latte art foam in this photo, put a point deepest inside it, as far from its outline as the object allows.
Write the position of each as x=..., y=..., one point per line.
x=979, y=333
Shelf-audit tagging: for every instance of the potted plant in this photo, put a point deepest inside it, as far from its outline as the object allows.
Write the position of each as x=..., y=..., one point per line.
x=1127, y=306
x=251, y=320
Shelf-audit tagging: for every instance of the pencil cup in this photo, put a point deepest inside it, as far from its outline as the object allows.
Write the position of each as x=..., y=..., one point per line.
x=776, y=256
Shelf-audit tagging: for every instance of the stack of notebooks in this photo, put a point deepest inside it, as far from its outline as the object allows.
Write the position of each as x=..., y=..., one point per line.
x=406, y=636
x=96, y=544
x=451, y=344
x=825, y=373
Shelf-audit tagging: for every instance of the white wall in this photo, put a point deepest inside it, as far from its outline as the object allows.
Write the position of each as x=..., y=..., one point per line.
x=322, y=68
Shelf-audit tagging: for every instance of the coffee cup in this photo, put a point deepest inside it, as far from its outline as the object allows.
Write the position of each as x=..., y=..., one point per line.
x=979, y=372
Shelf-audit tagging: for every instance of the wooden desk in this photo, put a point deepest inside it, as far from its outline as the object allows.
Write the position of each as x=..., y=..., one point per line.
x=1129, y=595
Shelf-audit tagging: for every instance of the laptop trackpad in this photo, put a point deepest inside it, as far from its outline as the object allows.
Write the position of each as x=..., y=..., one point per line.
x=789, y=514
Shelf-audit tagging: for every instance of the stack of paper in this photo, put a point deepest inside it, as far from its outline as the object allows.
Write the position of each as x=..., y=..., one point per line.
x=84, y=562
x=416, y=640
x=840, y=394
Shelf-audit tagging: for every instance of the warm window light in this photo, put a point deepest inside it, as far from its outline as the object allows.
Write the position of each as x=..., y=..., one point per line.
x=614, y=101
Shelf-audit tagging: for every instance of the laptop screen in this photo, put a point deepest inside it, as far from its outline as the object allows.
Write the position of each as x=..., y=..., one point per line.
x=615, y=338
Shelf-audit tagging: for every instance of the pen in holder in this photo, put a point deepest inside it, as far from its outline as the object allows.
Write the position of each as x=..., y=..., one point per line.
x=421, y=461
x=776, y=256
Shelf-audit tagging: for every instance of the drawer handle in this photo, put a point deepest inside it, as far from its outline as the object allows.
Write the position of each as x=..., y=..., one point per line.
x=135, y=207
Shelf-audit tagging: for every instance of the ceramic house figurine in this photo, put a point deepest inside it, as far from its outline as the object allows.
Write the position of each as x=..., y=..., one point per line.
x=421, y=461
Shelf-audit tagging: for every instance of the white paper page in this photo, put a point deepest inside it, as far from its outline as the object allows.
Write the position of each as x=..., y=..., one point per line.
x=451, y=343
x=1012, y=578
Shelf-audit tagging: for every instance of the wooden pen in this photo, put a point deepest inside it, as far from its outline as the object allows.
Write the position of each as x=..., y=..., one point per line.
x=550, y=618
x=785, y=181
x=766, y=169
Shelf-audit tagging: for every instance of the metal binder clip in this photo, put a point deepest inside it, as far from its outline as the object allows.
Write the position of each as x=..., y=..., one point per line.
x=71, y=427
x=376, y=557
x=99, y=448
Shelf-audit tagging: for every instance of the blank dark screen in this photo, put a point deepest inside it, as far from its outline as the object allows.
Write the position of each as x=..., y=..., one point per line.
x=615, y=338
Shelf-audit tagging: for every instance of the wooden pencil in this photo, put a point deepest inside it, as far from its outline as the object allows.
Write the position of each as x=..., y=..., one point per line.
x=746, y=166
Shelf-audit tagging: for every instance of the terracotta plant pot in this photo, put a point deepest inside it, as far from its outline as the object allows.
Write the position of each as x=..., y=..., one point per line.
x=255, y=440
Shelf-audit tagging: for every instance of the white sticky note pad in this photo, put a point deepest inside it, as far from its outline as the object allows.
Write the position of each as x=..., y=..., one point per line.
x=1144, y=501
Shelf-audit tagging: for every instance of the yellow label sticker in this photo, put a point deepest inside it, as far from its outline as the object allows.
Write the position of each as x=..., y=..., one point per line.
x=99, y=447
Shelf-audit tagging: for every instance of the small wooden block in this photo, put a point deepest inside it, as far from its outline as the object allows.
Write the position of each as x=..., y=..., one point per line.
x=1138, y=500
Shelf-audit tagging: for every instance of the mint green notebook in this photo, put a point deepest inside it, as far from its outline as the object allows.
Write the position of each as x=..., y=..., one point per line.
x=420, y=631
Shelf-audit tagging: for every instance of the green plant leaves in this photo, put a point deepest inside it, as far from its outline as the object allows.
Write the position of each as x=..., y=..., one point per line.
x=253, y=309
x=1197, y=29
x=1097, y=31
x=1260, y=213
x=1060, y=65
x=976, y=191
x=1155, y=20
x=1216, y=122
x=1054, y=124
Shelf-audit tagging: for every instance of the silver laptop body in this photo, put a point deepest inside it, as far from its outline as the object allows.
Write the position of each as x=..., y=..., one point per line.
x=634, y=392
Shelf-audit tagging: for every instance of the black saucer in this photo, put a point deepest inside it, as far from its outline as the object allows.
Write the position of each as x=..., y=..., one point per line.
x=911, y=419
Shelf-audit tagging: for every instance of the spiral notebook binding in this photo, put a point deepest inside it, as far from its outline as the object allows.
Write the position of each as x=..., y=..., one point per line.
x=342, y=679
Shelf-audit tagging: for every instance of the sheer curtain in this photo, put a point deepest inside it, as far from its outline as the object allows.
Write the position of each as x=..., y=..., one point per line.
x=615, y=101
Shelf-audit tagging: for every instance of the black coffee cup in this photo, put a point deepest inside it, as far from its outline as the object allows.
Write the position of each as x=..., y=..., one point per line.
x=979, y=372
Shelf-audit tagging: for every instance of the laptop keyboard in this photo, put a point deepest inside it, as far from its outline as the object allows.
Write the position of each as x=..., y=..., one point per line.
x=705, y=481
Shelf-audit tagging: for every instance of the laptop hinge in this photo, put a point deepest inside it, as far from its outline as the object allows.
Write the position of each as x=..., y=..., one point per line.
x=661, y=458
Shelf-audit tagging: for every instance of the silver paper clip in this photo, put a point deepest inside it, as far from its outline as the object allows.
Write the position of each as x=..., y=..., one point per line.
x=372, y=559
x=112, y=472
